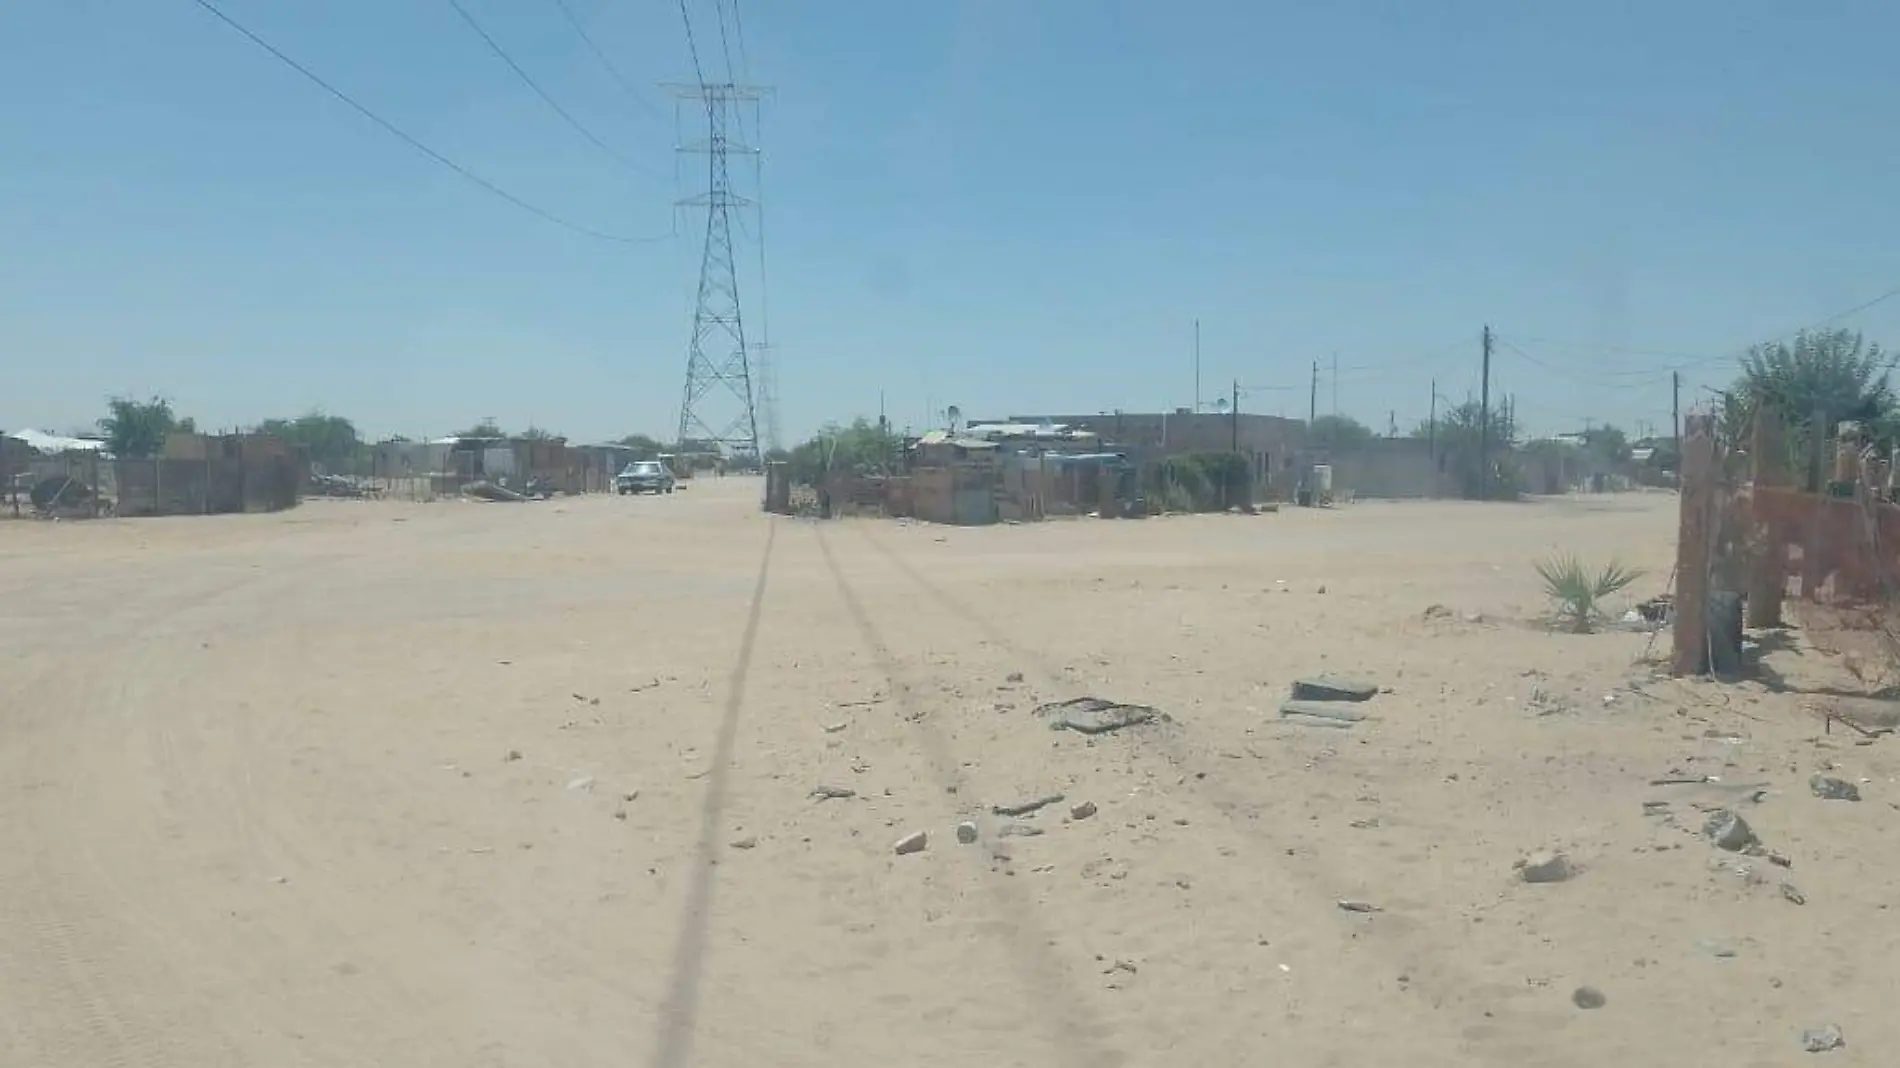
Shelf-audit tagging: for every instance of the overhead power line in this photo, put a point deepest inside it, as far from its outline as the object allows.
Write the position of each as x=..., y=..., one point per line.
x=612, y=70
x=566, y=116
x=413, y=142
x=692, y=46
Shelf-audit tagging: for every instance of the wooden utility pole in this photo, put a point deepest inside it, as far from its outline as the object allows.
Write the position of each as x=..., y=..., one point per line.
x=1694, y=547
x=1675, y=415
x=1431, y=426
x=1484, y=421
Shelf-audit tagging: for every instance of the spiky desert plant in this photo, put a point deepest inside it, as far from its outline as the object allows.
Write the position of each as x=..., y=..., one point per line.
x=1578, y=592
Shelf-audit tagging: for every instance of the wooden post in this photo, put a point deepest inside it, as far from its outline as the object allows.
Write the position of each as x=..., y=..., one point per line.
x=1693, y=545
x=1768, y=575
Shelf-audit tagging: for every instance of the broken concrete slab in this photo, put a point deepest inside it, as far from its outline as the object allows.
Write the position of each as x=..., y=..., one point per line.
x=1330, y=688
x=1829, y=788
x=1730, y=831
x=1321, y=710
x=1300, y=720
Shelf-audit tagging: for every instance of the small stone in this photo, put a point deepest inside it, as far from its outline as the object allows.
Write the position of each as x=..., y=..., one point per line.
x=1793, y=894
x=1014, y=676
x=1729, y=831
x=1829, y=788
x=1823, y=1039
x=1322, y=589
x=620, y=813
x=914, y=842
x=966, y=832
x=1588, y=997
x=748, y=842
x=832, y=793
x=1545, y=867
x=1082, y=811
x=585, y=782
x=513, y=754
x=1359, y=906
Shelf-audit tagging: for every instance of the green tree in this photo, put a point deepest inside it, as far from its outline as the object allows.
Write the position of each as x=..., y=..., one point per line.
x=644, y=447
x=331, y=440
x=1338, y=433
x=535, y=433
x=1608, y=443
x=1834, y=371
x=136, y=429
x=864, y=447
x=487, y=428
x=1458, y=434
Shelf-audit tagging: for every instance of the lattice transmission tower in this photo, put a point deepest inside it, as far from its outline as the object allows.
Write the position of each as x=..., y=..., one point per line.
x=720, y=404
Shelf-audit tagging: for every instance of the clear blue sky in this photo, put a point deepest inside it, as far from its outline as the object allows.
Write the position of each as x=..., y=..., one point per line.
x=1003, y=204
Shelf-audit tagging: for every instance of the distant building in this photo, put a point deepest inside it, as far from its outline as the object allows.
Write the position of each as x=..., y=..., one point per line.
x=1270, y=443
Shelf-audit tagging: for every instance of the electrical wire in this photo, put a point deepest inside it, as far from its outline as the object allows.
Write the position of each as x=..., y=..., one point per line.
x=413, y=142
x=1574, y=376
x=528, y=80
x=692, y=46
x=608, y=64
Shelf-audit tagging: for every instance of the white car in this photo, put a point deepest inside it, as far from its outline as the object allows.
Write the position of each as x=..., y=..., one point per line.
x=644, y=476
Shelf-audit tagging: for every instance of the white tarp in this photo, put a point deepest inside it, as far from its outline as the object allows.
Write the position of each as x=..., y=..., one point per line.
x=53, y=444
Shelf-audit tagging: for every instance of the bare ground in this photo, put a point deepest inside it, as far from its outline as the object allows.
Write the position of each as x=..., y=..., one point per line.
x=379, y=784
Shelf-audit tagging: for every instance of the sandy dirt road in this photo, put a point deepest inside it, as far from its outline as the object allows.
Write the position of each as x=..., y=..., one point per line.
x=380, y=784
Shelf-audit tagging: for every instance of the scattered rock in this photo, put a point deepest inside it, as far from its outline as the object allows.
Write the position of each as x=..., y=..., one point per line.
x=1729, y=831
x=513, y=755
x=832, y=793
x=1588, y=997
x=1082, y=811
x=1014, y=676
x=1437, y=611
x=1018, y=830
x=1024, y=808
x=1823, y=1039
x=1322, y=589
x=1793, y=894
x=833, y=728
x=1545, y=867
x=1359, y=906
x=966, y=832
x=585, y=782
x=1094, y=715
x=1326, y=688
x=748, y=842
x=620, y=813
x=914, y=842
x=1829, y=788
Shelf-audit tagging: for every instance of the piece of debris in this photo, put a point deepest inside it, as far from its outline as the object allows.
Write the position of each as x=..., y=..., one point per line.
x=1823, y=1039
x=1093, y=715
x=1014, y=676
x=1321, y=710
x=914, y=842
x=1794, y=895
x=966, y=832
x=832, y=793
x=513, y=754
x=585, y=782
x=1024, y=808
x=1300, y=719
x=1327, y=688
x=1437, y=611
x=1018, y=830
x=1082, y=811
x=1359, y=906
x=1729, y=831
x=748, y=842
x=620, y=813
x=1547, y=866
x=833, y=728
x=1829, y=788
x=1588, y=997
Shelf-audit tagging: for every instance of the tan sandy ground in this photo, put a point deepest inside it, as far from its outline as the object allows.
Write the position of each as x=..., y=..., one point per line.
x=257, y=805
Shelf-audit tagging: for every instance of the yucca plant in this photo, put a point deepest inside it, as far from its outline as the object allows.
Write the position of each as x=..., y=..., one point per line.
x=1578, y=593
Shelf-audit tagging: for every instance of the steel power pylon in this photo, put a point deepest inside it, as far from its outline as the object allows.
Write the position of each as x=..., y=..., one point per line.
x=719, y=404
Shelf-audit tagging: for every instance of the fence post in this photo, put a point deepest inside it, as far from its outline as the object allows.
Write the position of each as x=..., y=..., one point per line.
x=1768, y=577
x=1691, y=624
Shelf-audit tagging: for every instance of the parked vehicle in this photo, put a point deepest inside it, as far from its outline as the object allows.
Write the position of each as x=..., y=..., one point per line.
x=644, y=476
